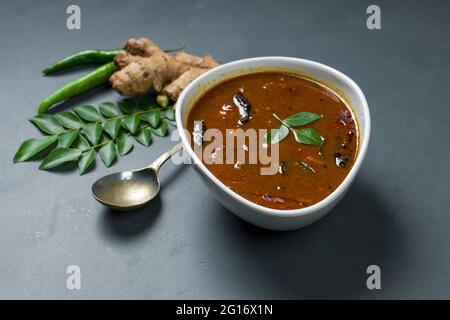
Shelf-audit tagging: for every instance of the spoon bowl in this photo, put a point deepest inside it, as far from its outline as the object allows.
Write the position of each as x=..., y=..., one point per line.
x=129, y=190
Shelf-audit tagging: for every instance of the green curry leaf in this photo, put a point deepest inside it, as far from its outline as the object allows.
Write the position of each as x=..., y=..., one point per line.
x=60, y=156
x=147, y=103
x=32, y=147
x=86, y=161
x=47, y=123
x=124, y=144
x=308, y=136
x=69, y=120
x=169, y=113
x=88, y=113
x=108, y=153
x=81, y=143
x=92, y=132
x=301, y=119
x=162, y=129
x=112, y=127
x=131, y=123
x=277, y=134
x=108, y=109
x=152, y=117
x=144, y=136
x=67, y=139
x=127, y=106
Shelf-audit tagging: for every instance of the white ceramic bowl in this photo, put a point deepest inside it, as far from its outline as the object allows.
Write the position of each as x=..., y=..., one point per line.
x=256, y=214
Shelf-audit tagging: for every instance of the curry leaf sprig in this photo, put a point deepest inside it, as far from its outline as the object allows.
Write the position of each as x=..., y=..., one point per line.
x=76, y=136
x=308, y=136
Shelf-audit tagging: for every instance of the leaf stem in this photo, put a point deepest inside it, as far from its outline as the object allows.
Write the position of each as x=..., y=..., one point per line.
x=96, y=146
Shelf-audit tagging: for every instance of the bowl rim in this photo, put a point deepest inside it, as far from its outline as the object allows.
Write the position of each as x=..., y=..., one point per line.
x=332, y=197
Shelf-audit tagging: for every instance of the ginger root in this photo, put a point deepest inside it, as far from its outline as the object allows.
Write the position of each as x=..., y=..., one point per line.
x=144, y=66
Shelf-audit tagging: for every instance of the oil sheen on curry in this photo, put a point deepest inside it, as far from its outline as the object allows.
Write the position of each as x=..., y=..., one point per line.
x=314, y=127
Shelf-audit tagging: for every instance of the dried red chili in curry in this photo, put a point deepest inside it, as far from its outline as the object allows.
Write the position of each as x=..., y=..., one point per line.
x=308, y=173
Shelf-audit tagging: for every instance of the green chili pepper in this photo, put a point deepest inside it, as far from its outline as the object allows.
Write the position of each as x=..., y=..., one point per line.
x=90, y=57
x=74, y=88
x=82, y=57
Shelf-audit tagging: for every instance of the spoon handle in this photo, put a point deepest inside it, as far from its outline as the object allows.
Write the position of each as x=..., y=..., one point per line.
x=164, y=157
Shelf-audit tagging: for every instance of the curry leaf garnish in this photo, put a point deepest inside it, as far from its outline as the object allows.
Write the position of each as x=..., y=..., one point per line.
x=76, y=136
x=308, y=136
x=277, y=134
x=301, y=119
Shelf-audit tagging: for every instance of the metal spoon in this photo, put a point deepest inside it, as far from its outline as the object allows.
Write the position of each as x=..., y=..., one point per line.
x=128, y=190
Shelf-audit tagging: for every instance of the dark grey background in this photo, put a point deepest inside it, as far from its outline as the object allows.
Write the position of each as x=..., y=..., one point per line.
x=186, y=245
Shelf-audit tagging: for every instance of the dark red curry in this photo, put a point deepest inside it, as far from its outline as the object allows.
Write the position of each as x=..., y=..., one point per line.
x=307, y=173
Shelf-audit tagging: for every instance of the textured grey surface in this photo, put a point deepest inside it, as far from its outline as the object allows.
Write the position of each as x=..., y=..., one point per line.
x=186, y=245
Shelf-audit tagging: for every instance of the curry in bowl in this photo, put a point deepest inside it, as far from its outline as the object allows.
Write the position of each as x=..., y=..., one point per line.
x=310, y=125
